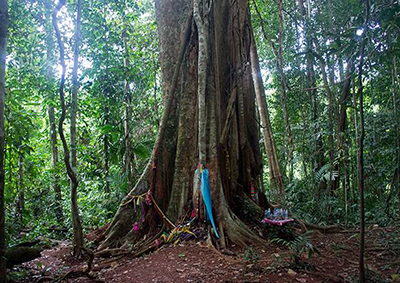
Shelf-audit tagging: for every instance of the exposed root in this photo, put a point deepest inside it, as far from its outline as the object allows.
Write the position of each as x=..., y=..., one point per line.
x=211, y=246
x=323, y=229
x=75, y=273
x=110, y=252
x=234, y=228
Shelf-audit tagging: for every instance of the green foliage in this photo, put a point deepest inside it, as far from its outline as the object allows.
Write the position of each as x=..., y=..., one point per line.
x=299, y=246
x=31, y=90
x=330, y=32
x=251, y=256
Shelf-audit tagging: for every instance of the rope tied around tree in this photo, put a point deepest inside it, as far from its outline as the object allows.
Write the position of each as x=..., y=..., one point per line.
x=148, y=199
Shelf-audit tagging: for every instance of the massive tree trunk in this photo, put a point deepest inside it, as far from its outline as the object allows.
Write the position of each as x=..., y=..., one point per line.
x=231, y=145
x=3, y=43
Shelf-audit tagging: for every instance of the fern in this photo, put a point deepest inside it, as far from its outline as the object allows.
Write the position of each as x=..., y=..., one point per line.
x=324, y=174
x=300, y=245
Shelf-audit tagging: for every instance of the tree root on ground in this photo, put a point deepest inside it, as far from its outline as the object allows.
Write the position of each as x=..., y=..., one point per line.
x=75, y=273
x=110, y=252
x=323, y=229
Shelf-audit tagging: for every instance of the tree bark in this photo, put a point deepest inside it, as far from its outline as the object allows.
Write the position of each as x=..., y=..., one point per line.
x=76, y=221
x=233, y=158
x=78, y=234
x=201, y=13
x=3, y=44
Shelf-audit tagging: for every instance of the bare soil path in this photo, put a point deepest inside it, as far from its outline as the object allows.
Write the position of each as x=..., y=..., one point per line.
x=193, y=261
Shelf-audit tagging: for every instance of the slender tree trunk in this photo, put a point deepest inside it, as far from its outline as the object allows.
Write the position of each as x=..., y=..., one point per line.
x=331, y=115
x=269, y=143
x=343, y=167
x=284, y=91
x=356, y=130
x=360, y=143
x=76, y=221
x=54, y=163
x=52, y=122
x=128, y=113
x=78, y=234
x=106, y=145
x=3, y=44
x=279, y=66
x=317, y=161
x=20, y=183
x=396, y=118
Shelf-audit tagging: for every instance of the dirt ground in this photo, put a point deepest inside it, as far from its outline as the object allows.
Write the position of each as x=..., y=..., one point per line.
x=193, y=261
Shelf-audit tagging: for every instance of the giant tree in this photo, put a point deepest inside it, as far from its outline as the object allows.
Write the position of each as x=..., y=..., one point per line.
x=208, y=120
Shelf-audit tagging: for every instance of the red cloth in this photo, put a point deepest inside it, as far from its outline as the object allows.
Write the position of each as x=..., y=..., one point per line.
x=276, y=222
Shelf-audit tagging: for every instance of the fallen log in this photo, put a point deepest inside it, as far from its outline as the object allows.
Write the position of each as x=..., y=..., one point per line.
x=19, y=254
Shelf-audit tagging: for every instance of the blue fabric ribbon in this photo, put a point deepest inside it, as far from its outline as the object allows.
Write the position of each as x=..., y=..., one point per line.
x=206, y=192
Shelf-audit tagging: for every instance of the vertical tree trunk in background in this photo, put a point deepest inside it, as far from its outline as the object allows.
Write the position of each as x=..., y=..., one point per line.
x=396, y=119
x=331, y=114
x=50, y=61
x=284, y=91
x=232, y=147
x=3, y=43
x=20, y=183
x=76, y=222
x=360, y=145
x=78, y=234
x=54, y=162
x=269, y=143
x=106, y=144
x=127, y=114
x=318, y=160
x=279, y=66
x=342, y=146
